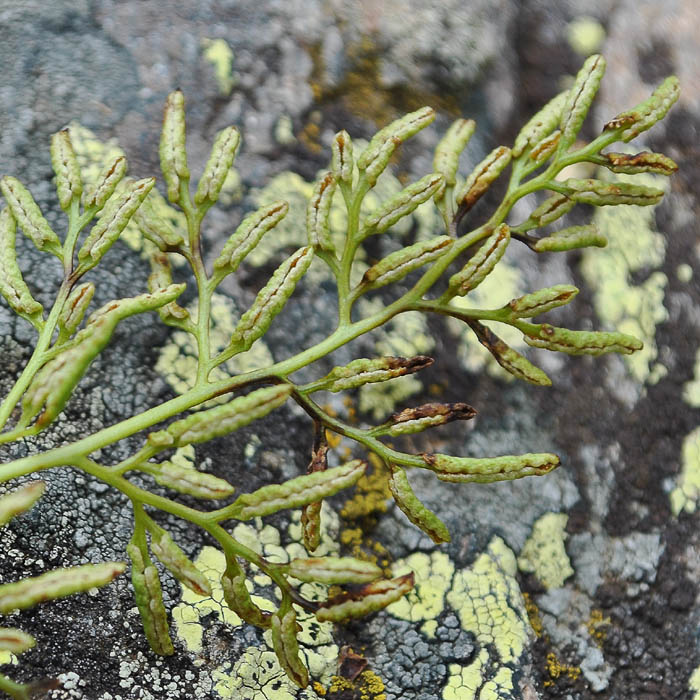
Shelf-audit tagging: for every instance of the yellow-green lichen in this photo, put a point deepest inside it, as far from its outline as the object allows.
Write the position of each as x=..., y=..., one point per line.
x=469, y=682
x=684, y=273
x=186, y=615
x=544, y=553
x=220, y=55
x=490, y=606
x=585, y=35
x=433, y=579
x=257, y=675
x=685, y=496
x=694, y=683
x=691, y=389
x=489, y=603
x=634, y=247
x=284, y=131
x=177, y=361
x=7, y=657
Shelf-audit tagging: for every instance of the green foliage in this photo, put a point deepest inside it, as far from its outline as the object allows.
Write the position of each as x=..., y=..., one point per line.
x=442, y=268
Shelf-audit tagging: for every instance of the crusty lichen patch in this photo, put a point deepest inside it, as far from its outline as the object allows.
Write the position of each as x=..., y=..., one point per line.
x=684, y=497
x=489, y=604
x=256, y=674
x=544, y=554
x=434, y=573
x=634, y=248
x=219, y=54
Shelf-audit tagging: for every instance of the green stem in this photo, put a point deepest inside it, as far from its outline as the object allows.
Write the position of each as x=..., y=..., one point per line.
x=67, y=454
x=17, y=691
x=353, y=205
x=39, y=357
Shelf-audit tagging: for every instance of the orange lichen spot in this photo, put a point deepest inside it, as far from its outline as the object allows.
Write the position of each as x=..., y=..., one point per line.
x=533, y=614
x=556, y=669
x=597, y=625
x=367, y=686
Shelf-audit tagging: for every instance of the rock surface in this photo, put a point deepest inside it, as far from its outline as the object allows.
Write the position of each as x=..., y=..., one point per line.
x=290, y=74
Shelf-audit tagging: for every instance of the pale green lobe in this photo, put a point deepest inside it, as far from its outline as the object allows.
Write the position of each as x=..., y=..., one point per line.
x=113, y=220
x=366, y=371
x=398, y=264
x=221, y=420
x=149, y=600
x=248, y=234
x=550, y=210
x=105, y=184
x=600, y=193
x=176, y=562
x=20, y=500
x=541, y=125
x=581, y=342
x=53, y=384
x=450, y=147
x=511, y=360
x=65, y=166
x=28, y=215
x=541, y=301
x=633, y=164
x=74, y=309
x=238, y=598
x=56, y=584
x=154, y=226
x=342, y=160
x=221, y=159
x=642, y=117
x=286, y=646
x=12, y=284
x=414, y=510
x=419, y=418
x=571, y=238
x=296, y=492
x=481, y=264
x=173, y=157
x=318, y=211
x=15, y=641
x=368, y=599
x=333, y=570
x=189, y=480
x=160, y=278
x=374, y=159
x=544, y=148
x=271, y=299
x=488, y=469
x=579, y=100
x=483, y=175
x=402, y=204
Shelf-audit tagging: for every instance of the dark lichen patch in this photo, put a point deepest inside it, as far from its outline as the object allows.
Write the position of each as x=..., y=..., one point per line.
x=362, y=92
x=655, y=60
